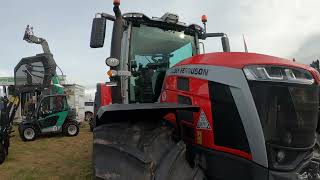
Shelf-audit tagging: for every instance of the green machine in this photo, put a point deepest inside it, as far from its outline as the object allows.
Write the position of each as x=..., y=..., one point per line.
x=49, y=112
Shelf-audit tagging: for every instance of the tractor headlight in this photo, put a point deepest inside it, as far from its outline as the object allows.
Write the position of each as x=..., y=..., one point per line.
x=280, y=157
x=112, y=62
x=278, y=74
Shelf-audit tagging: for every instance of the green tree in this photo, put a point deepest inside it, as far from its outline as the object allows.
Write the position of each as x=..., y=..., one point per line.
x=315, y=64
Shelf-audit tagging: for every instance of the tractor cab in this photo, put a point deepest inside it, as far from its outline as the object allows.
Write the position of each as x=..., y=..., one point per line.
x=51, y=112
x=149, y=64
x=50, y=105
x=143, y=49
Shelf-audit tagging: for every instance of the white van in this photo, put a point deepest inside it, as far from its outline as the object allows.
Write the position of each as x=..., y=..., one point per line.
x=88, y=110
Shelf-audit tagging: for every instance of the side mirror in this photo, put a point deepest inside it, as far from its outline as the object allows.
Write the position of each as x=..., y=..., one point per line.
x=98, y=32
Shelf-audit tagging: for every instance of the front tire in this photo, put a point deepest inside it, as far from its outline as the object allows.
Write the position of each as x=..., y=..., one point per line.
x=27, y=133
x=71, y=129
x=138, y=151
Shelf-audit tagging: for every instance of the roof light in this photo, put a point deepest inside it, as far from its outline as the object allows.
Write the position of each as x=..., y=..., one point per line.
x=170, y=18
x=204, y=18
x=278, y=74
x=116, y=2
x=135, y=15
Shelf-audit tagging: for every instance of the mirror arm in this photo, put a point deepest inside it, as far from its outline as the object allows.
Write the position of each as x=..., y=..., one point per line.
x=214, y=35
x=203, y=50
x=224, y=39
x=106, y=16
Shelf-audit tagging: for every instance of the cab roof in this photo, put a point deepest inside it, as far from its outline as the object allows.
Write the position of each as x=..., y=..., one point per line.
x=168, y=21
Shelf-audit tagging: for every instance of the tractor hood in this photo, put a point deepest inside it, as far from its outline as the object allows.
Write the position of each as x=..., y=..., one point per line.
x=240, y=60
x=275, y=99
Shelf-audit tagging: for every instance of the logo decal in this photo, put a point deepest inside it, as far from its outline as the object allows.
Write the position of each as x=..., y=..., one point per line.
x=203, y=121
x=190, y=71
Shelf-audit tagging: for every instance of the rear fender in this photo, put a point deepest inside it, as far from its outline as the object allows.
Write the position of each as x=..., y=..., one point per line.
x=149, y=112
x=32, y=123
x=69, y=121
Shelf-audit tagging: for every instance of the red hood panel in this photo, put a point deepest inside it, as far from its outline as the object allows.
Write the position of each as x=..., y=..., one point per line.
x=239, y=60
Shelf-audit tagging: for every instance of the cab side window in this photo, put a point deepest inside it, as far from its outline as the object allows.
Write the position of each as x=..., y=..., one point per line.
x=51, y=105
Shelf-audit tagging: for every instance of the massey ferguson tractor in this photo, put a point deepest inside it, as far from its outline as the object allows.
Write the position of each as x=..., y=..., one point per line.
x=175, y=114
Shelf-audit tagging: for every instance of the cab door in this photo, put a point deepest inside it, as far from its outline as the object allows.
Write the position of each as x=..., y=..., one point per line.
x=52, y=113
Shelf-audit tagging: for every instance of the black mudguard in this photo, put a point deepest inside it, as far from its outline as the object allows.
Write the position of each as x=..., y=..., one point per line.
x=116, y=113
x=29, y=123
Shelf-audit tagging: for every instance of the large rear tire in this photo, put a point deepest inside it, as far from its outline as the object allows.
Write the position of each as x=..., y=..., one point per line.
x=140, y=151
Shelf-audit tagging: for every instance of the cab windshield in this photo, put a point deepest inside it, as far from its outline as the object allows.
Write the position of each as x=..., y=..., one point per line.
x=152, y=52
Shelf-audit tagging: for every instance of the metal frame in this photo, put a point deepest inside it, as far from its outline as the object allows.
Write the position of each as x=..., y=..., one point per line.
x=31, y=38
x=49, y=67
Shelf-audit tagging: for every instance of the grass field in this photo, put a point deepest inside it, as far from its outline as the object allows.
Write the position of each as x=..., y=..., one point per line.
x=51, y=157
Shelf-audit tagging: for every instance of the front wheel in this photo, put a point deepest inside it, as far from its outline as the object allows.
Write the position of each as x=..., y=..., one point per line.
x=140, y=151
x=71, y=129
x=27, y=133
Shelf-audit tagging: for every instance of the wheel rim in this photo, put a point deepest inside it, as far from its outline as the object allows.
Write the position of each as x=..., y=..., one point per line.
x=29, y=133
x=72, y=129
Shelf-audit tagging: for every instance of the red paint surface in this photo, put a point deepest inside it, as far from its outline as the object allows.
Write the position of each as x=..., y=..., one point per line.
x=239, y=60
x=106, y=98
x=199, y=94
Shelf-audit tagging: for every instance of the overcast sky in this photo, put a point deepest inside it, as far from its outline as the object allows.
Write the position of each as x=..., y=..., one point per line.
x=284, y=28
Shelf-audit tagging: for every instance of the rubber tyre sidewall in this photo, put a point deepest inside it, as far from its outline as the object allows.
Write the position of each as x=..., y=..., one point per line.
x=65, y=129
x=23, y=128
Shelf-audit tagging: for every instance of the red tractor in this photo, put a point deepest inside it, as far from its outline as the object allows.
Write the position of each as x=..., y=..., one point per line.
x=102, y=98
x=179, y=114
